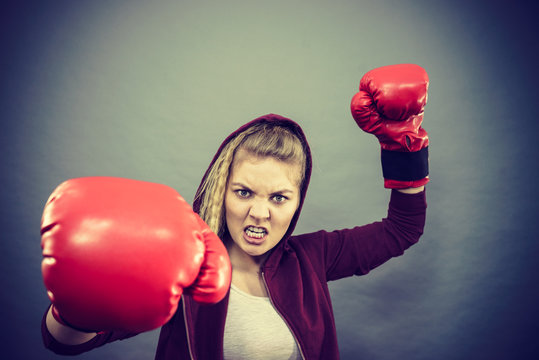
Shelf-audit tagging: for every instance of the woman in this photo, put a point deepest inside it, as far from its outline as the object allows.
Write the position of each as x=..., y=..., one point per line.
x=279, y=305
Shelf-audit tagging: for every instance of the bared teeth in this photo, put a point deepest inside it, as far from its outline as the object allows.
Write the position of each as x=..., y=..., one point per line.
x=255, y=232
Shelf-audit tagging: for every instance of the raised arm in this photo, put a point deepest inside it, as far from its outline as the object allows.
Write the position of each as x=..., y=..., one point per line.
x=390, y=105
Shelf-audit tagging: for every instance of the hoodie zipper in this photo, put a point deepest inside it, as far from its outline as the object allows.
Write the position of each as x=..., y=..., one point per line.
x=281, y=315
x=187, y=330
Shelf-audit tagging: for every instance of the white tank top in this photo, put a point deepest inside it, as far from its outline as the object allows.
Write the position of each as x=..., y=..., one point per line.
x=255, y=331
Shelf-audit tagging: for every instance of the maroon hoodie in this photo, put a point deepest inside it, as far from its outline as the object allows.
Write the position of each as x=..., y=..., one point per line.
x=296, y=274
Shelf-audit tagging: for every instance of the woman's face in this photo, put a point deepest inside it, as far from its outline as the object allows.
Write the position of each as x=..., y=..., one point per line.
x=261, y=198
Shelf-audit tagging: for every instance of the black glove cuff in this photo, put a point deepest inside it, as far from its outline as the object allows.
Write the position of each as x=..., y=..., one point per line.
x=405, y=166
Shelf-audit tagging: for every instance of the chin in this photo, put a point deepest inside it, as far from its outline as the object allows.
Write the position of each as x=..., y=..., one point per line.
x=255, y=252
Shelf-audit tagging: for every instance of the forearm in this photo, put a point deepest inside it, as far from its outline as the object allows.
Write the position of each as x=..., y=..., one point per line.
x=406, y=215
x=64, y=340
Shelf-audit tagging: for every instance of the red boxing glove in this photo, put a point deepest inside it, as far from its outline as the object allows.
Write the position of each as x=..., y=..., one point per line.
x=119, y=253
x=390, y=105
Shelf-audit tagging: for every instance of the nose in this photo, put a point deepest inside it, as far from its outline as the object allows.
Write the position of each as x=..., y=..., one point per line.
x=259, y=210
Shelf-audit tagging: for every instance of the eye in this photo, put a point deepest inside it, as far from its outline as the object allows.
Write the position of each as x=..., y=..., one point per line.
x=279, y=198
x=243, y=193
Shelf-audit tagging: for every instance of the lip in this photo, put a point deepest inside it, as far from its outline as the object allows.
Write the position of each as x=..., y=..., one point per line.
x=252, y=240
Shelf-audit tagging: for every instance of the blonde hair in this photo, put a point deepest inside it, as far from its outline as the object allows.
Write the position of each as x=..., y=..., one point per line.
x=262, y=139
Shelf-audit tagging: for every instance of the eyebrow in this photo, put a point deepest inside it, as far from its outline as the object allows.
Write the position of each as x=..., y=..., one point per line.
x=283, y=191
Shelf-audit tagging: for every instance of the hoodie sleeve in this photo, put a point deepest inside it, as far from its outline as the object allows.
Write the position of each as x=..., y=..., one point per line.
x=356, y=251
x=62, y=349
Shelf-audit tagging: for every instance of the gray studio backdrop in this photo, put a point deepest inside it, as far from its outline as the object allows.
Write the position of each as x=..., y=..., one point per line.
x=148, y=90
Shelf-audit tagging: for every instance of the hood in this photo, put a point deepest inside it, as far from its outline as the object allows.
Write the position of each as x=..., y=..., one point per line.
x=296, y=129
